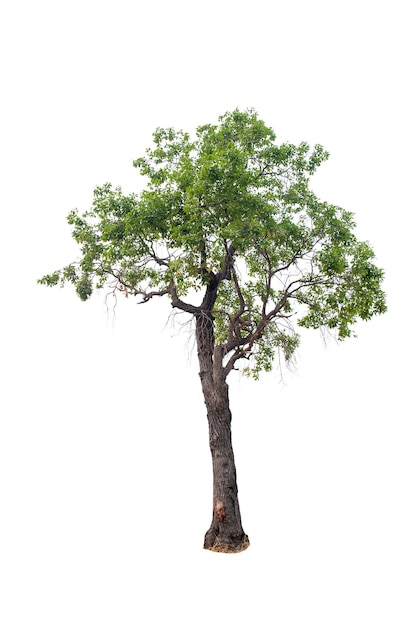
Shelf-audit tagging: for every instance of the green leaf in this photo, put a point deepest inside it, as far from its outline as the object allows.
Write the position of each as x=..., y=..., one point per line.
x=228, y=219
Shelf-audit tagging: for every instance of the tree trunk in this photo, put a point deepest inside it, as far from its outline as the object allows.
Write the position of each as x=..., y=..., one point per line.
x=225, y=533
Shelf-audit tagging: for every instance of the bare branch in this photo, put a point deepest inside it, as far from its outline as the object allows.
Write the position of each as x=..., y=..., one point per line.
x=148, y=295
x=159, y=260
x=180, y=304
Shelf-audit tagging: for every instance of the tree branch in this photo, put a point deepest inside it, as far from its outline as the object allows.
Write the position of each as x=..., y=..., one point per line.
x=225, y=272
x=159, y=260
x=180, y=304
x=210, y=295
x=297, y=254
x=233, y=329
x=148, y=295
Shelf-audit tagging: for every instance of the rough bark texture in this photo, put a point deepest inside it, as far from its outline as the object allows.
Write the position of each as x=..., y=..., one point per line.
x=225, y=533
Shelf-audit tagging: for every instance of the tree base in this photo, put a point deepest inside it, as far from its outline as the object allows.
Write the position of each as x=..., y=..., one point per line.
x=216, y=544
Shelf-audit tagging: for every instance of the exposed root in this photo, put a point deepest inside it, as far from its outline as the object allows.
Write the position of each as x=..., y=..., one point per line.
x=228, y=548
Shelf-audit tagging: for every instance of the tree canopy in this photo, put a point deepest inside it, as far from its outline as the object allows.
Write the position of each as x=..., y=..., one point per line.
x=230, y=215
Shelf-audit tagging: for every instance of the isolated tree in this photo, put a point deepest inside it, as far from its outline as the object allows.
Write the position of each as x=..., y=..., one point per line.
x=228, y=220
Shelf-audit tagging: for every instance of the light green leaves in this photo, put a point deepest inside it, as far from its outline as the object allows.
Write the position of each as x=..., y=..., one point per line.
x=230, y=214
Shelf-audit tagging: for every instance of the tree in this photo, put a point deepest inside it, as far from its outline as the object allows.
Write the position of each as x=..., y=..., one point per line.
x=228, y=216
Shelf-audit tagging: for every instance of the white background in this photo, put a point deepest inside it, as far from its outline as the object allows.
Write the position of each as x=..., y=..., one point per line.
x=105, y=484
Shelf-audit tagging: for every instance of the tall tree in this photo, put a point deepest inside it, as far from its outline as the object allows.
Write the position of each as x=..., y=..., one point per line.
x=229, y=214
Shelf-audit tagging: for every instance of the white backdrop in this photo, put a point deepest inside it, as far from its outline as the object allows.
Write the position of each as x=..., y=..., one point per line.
x=105, y=483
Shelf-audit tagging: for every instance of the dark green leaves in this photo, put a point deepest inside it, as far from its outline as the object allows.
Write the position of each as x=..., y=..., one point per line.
x=84, y=287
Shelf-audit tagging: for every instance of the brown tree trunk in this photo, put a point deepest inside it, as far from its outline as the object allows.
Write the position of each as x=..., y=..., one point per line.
x=225, y=533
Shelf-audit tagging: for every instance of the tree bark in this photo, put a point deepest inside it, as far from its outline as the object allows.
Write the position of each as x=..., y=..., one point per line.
x=225, y=533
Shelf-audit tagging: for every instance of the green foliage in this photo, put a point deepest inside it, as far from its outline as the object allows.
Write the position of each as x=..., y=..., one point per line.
x=230, y=212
